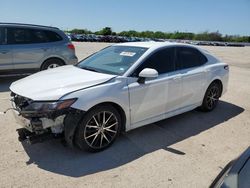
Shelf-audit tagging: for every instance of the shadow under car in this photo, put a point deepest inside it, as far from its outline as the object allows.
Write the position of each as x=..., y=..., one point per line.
x=54, y=157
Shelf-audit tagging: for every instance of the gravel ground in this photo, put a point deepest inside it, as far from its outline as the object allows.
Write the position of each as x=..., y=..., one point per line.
x=188, y=150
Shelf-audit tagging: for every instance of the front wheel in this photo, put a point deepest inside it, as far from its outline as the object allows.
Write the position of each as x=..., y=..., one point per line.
x=98, y=129
x=211, y=97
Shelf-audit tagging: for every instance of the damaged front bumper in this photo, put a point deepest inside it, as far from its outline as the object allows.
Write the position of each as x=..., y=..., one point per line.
x=36, y=130
x=40, y=124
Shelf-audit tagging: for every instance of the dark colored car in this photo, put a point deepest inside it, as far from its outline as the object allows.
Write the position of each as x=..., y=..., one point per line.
x=236, y=174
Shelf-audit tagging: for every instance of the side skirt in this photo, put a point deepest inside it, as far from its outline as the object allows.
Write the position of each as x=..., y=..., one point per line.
x=163, y=116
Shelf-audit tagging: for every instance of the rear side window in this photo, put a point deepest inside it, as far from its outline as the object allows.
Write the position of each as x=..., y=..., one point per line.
x=18, y=36
x=2, y=36
x=189, y=57
x=29, y=36
x=53, y=36
x=162, y=61
x=38, y=36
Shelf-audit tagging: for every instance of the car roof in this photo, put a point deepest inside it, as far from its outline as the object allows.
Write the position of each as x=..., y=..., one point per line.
x=153, y=44
x=26, y=25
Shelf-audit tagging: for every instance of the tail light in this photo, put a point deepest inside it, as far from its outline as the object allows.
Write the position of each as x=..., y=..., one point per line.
x=71, y=46
x=226, y=67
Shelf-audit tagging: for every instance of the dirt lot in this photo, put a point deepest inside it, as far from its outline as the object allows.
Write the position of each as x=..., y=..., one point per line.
x=188, y=150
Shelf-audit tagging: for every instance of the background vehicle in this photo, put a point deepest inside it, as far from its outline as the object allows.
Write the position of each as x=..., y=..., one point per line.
x=28, y=48
x=236, y=174
x=119, y=88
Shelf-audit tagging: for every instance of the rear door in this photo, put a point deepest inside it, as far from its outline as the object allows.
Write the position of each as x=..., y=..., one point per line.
x=190, y=63
x=5, y=52
x=29, y=47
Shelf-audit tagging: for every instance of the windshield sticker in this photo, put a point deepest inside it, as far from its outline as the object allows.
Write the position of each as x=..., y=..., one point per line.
x=129, y=54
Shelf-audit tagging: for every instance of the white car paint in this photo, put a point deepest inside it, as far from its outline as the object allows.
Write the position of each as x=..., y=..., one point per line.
x=54, y=83
x=148, y=73
x=158, y=98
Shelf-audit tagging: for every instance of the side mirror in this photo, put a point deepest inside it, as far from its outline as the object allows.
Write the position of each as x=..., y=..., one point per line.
x=147, y=73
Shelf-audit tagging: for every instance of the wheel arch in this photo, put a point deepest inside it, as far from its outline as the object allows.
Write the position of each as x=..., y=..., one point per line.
x=118, y=108
x=50, y=58
x=219, y=82
x=73, y=118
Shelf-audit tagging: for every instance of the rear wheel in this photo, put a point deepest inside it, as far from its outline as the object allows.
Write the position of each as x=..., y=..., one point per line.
x=52, y=63
x=211, y=97
x=98, y=129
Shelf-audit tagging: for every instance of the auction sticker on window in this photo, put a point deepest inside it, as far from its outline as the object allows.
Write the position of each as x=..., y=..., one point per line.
x=129, y=54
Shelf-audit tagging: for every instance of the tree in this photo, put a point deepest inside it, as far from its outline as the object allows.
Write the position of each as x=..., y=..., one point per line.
x=159, y=35
x=105, y=31
x=215, y=36
x=80, y=31
x=130, y=33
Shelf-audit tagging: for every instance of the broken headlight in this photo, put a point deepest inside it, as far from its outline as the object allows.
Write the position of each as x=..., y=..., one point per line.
x=48, y=106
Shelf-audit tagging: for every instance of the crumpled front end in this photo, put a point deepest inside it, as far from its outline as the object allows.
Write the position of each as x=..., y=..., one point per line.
x=40, y=119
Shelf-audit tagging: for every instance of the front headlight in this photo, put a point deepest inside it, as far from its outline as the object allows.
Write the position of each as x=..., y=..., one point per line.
x=48, y=106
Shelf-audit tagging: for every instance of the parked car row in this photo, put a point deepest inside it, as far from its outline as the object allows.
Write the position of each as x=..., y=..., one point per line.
x=120, y=39
x=206, y=43
x=108, y=38
x=211, y=43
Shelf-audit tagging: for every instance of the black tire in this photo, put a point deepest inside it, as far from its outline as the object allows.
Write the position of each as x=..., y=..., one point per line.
x=52, y=63
x=211, y=97
x=93, y=134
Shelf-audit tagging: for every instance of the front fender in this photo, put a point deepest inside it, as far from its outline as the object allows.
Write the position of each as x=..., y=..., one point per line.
x=71, y=121
x=115, y=91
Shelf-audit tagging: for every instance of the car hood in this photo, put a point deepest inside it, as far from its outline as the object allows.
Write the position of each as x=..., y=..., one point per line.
x=54, y=83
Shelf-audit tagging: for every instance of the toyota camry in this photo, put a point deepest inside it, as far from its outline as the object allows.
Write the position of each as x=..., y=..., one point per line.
x=119, y=88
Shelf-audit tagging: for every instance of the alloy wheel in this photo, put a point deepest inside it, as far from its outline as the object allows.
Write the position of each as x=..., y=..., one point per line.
x=212, y=97
x=101, y=129
x=54, y=65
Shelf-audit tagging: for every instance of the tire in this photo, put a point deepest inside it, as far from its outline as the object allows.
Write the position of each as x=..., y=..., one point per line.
x=52, y=63
x=98, y=129
x=211, y=97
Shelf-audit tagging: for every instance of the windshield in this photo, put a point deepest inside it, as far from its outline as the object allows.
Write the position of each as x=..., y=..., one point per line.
x=112, y=60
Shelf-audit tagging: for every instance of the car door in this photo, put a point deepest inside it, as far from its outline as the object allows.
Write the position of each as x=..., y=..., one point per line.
x=150, y=101
x=190, y=63
x=28, y=50
x=5, y=52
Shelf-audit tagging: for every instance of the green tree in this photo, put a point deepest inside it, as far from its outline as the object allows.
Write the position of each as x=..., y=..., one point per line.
x=80, y=31
x=105, y=31
x=159, y=35
x=130, y=33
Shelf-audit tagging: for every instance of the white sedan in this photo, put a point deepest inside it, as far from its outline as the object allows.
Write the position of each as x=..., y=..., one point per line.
x=117, y=89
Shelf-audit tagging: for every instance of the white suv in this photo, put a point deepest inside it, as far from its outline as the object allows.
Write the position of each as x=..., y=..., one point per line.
x=119, y=88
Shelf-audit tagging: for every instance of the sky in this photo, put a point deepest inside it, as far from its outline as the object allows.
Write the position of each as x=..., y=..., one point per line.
x=226, y=16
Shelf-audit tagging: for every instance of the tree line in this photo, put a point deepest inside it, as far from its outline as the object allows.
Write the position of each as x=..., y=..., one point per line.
x=204, y=36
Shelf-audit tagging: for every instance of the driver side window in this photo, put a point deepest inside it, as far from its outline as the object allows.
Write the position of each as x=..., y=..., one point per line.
x=162, y=61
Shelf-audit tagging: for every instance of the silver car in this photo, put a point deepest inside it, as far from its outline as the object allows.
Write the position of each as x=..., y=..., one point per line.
x=28, y=48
